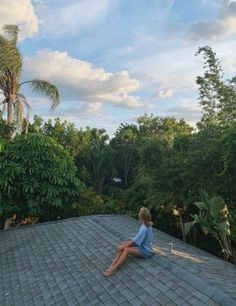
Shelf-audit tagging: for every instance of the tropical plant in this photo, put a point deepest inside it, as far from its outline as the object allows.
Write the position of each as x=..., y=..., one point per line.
x=10, y=74
x=37, y=177
x=98, y=158
x=213, y=218
x=63, y=132
x=6, y=129
x=89, y=203
x=124, y=152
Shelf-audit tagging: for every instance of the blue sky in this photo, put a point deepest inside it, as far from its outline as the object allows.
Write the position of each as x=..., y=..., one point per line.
x=113, y=60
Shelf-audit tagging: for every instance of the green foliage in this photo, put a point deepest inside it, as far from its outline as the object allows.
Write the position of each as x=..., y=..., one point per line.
x=6, y=129
x=166, y=128
x=10, y=73
x=93, y=159
x=63, y=132
x=90, y=203
x=213, y=218
x=124, y=153
x=10, y=57
x=217, y=97
x=98, y=159
x=113, y=206
x=89, y=149
x=38, y=177
x=137, y=194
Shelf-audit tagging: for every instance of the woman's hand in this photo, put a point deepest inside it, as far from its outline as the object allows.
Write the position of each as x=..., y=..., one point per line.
x=120, y=247
x=124, y=244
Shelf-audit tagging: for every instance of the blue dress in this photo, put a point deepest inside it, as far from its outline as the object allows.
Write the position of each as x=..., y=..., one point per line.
x=143, y=241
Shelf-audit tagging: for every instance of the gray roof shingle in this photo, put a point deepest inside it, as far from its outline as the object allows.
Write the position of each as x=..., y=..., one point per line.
x=61, y=263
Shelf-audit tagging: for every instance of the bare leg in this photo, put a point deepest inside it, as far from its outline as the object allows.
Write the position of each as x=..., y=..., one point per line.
x=121, y=259
x=115, y=260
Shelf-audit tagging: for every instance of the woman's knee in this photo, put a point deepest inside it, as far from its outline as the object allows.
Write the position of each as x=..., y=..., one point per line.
x=126, y=250
x=129, y=250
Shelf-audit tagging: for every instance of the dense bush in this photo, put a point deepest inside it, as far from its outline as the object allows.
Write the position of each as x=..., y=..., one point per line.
x=6, y=129
x=90, y=203
x=37, y=177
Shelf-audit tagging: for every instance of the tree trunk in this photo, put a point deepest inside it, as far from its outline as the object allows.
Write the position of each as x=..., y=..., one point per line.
x=10, y=107
x=10, y=110
x=27, y=126
x=182, y=226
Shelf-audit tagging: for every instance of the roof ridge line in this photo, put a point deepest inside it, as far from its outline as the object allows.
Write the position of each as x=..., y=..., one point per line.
x=53, y=222
x=115, y=232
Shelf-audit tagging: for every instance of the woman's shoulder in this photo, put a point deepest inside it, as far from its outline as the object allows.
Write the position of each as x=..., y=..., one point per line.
x=143, y=227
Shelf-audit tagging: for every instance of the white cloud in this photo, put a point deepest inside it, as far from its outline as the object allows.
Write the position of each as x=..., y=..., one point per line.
x=22, y=13
x=186, y=109
x=72, y=16
x=73, y=111
x=215, y=29
x=94, y=107
x=81, y=81
x=164, y=93
x=169, y=72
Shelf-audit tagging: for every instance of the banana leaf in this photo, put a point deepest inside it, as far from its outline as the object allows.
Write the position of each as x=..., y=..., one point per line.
x=224, y=228
x=188, y=226
x=201, y=206
x=217, y=207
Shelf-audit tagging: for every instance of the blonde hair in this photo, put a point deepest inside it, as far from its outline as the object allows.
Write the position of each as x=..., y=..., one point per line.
x=145, y=216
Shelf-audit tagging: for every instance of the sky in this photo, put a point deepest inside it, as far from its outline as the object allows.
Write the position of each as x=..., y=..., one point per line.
x=114, y=60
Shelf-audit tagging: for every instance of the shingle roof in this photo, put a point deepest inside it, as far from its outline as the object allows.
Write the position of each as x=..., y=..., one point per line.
x=61, y=263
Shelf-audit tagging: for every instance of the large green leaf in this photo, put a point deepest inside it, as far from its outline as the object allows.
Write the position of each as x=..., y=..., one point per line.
x=37, y=176
x=188, y=226
x=201, y=205
x=223, y=227
x=217, y=207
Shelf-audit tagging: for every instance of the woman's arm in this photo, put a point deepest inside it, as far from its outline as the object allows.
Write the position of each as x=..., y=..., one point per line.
x=138, y=239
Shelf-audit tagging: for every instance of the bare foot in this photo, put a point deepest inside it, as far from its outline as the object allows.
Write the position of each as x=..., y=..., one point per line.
x=109, y=272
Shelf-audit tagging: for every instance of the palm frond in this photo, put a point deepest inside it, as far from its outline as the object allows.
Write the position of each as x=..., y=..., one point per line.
x=10, y=57
x=11, y=32
x=4, y=103
x=3, y=84
x=19, y=111
x=24, y=100
x=46, y=89
x=18, y=114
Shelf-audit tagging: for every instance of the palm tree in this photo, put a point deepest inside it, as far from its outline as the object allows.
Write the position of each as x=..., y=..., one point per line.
x=10, y=73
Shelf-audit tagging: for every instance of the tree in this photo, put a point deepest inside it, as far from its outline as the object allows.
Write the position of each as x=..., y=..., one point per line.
x=63, y=132
x=217, y=97
x=166, y=128
x=10, y=74
x=228, y=173
x=37, y=177
x=98, y=159
x=125, y=151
